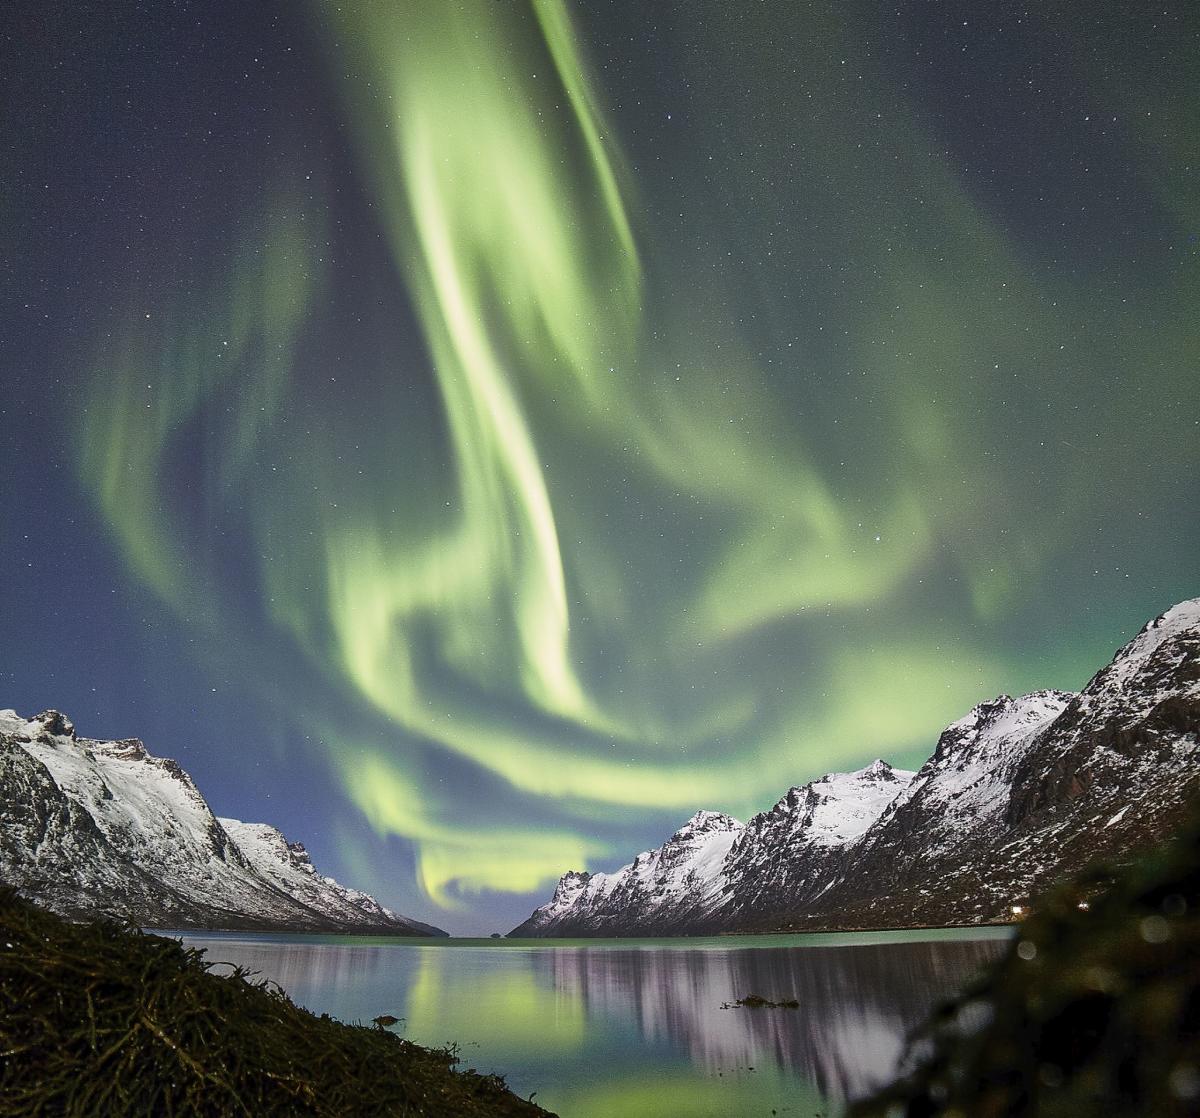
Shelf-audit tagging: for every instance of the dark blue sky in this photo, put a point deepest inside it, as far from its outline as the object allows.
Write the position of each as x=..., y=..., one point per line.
x=472, y=437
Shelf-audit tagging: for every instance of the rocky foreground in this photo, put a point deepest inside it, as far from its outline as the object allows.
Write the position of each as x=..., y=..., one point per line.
x=1017, y=795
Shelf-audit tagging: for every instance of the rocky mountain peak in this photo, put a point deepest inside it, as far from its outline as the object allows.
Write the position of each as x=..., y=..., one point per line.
x=706, y=823
x=1164, y=653
x=877, y=782
x=879, y=770
x=130, y=749
x=571, y=883
x=55, y=723
x=998, y=717
x=1179, y=619
x=840, y=807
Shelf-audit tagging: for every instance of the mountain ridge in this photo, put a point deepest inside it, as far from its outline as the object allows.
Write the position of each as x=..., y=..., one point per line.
x=1016, y=793
x=91, y=827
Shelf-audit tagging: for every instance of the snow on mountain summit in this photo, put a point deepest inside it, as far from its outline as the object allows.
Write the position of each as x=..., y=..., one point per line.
x=1017, y=793
x=1178, y=620
x=682, y=878
x=971, y=770
x=90, y=826
x=839, y=807
x=706, y=823
x=689, y=879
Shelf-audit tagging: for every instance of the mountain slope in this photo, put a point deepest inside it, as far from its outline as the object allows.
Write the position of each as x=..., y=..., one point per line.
x=104, y=826
x=689, y=883
x=659, y=892
x=1017, y=794
x=787, y=855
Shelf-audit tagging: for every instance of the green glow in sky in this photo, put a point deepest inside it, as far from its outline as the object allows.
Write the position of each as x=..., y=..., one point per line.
x=580, y=514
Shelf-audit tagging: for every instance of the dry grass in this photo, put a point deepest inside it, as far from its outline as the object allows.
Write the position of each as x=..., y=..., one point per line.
x=101, y=1019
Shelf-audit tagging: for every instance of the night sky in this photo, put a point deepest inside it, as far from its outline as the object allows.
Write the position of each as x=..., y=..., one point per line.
x=472, y=435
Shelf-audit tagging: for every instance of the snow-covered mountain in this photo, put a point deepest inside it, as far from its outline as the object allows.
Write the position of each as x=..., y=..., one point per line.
x=104, y=826
x=686, y=884
x=1018, y=794
x=659, y=892
x=794, y=848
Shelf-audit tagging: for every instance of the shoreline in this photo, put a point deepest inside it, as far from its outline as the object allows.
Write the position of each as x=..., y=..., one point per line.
x=102, y=1018
x=857, y=929
x=680, y=939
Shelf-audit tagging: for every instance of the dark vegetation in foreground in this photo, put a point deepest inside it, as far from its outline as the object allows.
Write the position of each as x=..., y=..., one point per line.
x=1095, y=1009
x=100, y=1019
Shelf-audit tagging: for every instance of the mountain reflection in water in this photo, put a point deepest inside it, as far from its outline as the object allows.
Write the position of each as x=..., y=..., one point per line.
x=636, y=1028
x=857, y=1004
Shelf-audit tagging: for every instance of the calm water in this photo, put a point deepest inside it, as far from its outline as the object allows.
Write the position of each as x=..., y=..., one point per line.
x=635, y=1028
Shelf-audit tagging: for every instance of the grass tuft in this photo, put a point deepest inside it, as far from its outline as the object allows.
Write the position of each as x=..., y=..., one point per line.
x=100, y=1019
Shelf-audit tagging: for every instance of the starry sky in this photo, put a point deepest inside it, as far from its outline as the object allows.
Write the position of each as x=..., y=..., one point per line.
x=472, y=436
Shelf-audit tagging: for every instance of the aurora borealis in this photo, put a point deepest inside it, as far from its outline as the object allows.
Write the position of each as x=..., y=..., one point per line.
x=473, y=435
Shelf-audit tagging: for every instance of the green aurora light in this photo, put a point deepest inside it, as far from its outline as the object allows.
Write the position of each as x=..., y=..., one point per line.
x=604, y=552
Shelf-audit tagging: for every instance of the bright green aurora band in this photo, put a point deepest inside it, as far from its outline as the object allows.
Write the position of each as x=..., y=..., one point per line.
x=618, y=562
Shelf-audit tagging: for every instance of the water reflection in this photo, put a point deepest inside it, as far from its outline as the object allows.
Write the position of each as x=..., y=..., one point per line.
x=857, y=1003
x=636, y=1028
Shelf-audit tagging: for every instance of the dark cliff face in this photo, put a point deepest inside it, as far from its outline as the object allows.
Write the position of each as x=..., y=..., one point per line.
x=1017, y=795
x=52, y=850
x=36, y=820
x=1135, y=717
x=944, y=828
x=1092, y=1012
